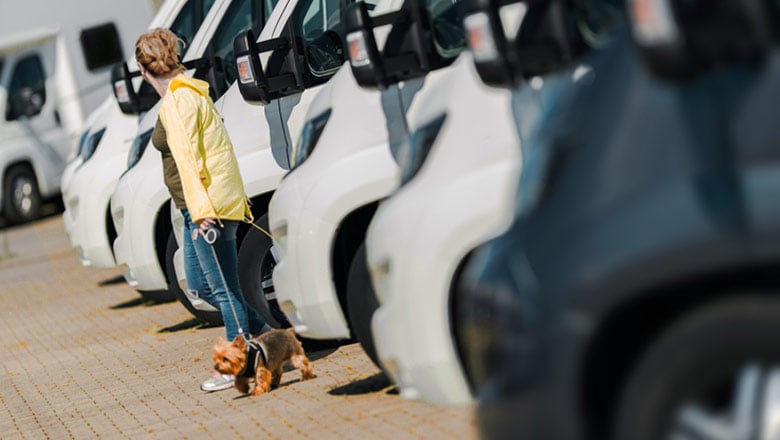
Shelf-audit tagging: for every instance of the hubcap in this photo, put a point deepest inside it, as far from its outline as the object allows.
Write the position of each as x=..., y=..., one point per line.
x=267, y=287
x=753, y=411
x=22, y=194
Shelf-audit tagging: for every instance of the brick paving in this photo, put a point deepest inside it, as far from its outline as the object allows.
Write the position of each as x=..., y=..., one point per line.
x=85, y=357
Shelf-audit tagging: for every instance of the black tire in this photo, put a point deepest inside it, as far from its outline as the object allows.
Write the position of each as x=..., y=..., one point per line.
x=211, y=318
x=255, y=267
x=362, y=303
x=21, y=196
x=697, y=360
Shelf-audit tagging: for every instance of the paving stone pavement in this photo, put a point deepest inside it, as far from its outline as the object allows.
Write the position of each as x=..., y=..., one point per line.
x=85, y=357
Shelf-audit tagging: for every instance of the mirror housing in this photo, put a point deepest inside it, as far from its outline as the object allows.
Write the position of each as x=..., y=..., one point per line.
x=409, y=52
x=130, y=102
x=680, y=39
x=361, y=45
x=548, y=39
x=255, y=85
x=490, y=49
x=27, y=103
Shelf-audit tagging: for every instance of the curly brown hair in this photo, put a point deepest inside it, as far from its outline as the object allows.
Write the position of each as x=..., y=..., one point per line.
x=158, y=52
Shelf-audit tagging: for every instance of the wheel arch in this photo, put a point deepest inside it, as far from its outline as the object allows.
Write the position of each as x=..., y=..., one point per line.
x=349, y=235
x=162, y=229
x=630, y=327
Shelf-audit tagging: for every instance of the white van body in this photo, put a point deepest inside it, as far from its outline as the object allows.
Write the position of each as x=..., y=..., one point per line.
x=261, y=135
x=45, y=43
x=461, y=197
x=140, y=196
x=351, y=166
x=87, y=213
x=351, y=169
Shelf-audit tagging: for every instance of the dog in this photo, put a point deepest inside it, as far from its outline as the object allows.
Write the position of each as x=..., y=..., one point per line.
x=261, y=360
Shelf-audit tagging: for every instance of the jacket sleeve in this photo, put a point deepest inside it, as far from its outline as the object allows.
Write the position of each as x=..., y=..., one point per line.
x=182, y=113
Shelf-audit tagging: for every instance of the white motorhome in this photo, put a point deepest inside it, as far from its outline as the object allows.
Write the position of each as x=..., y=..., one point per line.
x=55, y=64
x=458, y=193
x=87, y=215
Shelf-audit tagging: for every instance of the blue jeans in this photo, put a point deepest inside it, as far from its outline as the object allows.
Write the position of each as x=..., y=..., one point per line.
x=203, y=277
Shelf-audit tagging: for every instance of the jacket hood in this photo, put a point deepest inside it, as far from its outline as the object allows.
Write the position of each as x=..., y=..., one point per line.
x=181, y=80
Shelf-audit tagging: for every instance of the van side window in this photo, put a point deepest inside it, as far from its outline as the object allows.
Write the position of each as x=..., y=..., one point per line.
x=28, y=78
x=101, y=46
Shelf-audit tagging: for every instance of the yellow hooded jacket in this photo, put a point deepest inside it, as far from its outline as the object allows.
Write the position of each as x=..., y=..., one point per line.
x=203, y=152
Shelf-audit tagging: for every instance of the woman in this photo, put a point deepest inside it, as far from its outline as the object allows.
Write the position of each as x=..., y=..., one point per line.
x=202, y=175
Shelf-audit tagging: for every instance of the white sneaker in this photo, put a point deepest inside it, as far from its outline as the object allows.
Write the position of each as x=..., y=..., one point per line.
x=218, y=383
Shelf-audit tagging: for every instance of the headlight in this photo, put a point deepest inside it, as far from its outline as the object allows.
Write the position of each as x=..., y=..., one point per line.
x=413, y=152
x=137, y=149
x=495, y=313
x=76, y=152
x=309, y=137
x=91, y=144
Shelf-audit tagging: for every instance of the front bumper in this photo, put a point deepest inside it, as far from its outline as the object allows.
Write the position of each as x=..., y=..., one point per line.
x=139, y=197
x=304, y=215
x=87, y=203
x=413, y=264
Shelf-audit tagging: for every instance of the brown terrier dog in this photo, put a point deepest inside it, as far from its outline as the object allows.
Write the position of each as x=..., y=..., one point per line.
x=261, y=359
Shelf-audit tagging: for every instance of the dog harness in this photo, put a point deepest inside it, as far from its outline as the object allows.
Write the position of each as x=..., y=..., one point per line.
x=255, y=356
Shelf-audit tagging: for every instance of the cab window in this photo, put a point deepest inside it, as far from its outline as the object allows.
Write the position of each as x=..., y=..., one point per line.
x=448, y=37
x=240, y=16
x=319, y=25
x=189, y=20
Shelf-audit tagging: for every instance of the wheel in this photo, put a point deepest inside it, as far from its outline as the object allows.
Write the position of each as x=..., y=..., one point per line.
x=713, y=375
x=362, y=303
x=21, y=197
x=255, y=267
x=212, y=317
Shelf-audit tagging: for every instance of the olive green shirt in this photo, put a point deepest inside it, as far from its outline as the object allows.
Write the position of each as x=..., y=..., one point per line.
x=170, y=172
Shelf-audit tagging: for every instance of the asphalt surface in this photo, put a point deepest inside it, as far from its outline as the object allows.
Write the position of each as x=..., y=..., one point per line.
x=85, y=357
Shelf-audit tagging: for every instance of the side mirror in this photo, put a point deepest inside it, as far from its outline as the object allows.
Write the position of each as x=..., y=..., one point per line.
x=548, y=38
x=363, y=53
x=679, y=39
x=489, y=47
x=256, y=85
x=28, y=102
x=130, y=102
x=409, y=52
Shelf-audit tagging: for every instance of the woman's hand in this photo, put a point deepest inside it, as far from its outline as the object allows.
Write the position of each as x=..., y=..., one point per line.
x=205, y=224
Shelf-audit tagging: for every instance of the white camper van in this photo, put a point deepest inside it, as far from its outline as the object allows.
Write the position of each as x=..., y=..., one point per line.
x=87, y=217
x=145, y=246
x=55, y=64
